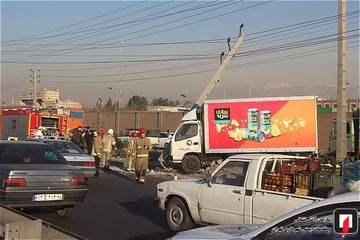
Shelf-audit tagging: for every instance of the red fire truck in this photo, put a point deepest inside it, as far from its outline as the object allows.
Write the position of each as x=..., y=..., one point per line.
x=20, y=123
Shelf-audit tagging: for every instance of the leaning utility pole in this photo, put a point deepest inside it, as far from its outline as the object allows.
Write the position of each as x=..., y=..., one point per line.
x=34, y=80
x=199, y=102
x=341, y=147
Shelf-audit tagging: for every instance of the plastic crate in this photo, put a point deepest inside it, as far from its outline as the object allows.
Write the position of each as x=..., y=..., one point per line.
x=323, y=183
x=345, y=180
x=349, y=164
x=350, y=171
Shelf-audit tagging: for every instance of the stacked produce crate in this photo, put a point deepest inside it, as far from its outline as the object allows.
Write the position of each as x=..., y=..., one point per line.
x=289, y=178
x=308, y=177
x=350, y=171
x=324, y=180
x=278, y=182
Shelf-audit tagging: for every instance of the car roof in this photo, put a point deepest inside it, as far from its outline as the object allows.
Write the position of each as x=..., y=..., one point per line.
x=46, y=140
x=21, y=142
x=341, y=198
x=254, y=156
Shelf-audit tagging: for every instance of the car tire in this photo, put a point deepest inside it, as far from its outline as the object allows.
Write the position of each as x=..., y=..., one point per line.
x=64, y=212
x=191, y=164
x=178, y=216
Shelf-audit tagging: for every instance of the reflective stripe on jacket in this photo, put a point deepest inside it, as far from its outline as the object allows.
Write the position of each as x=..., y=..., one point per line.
x=108, y=143
x=131, y=147
x=97, y=146
x=140, y=147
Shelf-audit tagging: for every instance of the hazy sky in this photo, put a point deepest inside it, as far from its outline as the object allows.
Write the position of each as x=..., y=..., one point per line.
x=168, y=48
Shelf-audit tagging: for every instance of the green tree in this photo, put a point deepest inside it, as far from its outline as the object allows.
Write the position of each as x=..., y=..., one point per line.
x=160, y=102
x=163, y=102
x=137, y=103
x=109, y=105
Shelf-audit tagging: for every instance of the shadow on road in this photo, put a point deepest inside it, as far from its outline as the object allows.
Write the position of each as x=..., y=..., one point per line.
x=153, y=236
x=150, y=212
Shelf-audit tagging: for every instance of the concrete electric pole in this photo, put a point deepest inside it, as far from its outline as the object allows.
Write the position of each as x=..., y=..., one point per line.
x=341, y=84
x=34, y=80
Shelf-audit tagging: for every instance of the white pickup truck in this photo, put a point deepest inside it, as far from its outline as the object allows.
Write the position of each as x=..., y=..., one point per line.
x=233, y=194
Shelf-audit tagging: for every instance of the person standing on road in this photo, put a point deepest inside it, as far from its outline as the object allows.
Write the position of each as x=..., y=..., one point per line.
x=68, y=134
x=131, y=151
x=57, y=134
x=97, y=151
x=76, y=137
x=143, y=146
x=89, y=139
x=109, y=144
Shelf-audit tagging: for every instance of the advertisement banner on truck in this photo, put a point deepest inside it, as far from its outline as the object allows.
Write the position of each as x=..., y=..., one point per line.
x=261, y=125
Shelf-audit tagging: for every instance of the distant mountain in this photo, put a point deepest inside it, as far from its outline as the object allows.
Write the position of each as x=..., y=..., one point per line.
x=281, y=90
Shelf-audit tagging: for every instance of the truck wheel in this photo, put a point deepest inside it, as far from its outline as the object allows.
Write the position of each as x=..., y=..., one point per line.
x=64, y=212
x=191, y=164
x=177, y=216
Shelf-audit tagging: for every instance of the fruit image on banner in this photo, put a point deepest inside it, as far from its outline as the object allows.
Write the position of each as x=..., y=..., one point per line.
x=265, y=124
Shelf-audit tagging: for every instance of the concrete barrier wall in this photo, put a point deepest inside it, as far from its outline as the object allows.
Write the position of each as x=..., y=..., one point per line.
x=160, y=121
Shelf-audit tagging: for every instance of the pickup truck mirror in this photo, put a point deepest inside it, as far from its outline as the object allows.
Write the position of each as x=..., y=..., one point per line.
x=208, y=179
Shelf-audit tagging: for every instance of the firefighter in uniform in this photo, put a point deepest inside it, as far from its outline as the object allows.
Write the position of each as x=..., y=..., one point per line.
x=109, y=144
x=143, y=145
x=131, y=151
x=97, y=149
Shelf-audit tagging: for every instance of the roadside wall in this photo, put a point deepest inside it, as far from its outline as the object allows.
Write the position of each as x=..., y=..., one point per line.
x=160, y=121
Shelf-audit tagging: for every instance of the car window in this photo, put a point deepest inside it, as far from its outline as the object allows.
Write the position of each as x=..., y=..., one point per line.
x=66, y=147
x=316, y=224
x=232, y=173
x=29, y=154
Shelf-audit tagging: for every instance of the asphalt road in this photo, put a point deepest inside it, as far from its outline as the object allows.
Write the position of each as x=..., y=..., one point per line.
x=116, y=208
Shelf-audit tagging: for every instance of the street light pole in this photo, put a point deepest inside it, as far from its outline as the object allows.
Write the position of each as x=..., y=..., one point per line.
x=99, y=122
x=117, y=111
x=186, y=101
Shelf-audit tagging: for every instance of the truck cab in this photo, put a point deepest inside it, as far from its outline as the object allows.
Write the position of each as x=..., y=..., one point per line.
x=186, y=143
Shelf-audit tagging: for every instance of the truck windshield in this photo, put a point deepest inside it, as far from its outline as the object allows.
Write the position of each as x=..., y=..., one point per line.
x=186, y=131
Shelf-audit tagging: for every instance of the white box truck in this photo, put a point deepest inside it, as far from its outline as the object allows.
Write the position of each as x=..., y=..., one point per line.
x=221, y=128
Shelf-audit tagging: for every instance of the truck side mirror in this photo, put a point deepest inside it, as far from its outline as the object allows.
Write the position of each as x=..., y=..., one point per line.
x=208, y=179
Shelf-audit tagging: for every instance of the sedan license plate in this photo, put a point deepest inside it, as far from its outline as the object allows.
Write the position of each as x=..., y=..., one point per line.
x=47, y=197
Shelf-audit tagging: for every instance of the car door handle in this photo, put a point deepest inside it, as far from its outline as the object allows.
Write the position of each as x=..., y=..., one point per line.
x=237, y=191
x=195, y=143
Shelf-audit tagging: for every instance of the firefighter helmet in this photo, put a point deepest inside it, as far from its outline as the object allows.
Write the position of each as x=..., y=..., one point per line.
x=142, y=130
x=111, y=132
x=101, y=132
x=134, y=134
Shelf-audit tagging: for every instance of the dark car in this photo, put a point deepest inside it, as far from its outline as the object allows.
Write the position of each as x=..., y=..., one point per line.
x=35, y=174
x=73, y=154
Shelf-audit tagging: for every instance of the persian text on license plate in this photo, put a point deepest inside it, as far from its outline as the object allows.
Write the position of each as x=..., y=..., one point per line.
x=48, y=197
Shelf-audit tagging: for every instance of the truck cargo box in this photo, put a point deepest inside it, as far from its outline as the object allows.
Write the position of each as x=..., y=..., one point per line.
x=277, y=124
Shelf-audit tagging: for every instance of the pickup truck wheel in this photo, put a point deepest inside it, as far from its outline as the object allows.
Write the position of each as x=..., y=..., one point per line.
x=65, y=212
x=177, y=216
x=191, y=164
